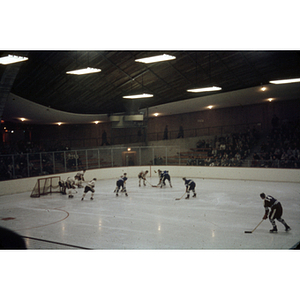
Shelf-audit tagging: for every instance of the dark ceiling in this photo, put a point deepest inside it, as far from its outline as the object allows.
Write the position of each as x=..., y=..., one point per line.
x=43, y=79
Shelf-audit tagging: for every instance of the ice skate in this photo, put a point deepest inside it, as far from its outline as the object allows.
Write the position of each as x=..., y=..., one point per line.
x=274, y=230
x=187, y=197
x=287, y=228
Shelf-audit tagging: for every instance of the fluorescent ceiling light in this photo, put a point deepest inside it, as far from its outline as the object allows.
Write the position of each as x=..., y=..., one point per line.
x=157, y=58
x=207, y=89
x=138, y=96
x=284, y=81
x=11, y=59
x=84, y=71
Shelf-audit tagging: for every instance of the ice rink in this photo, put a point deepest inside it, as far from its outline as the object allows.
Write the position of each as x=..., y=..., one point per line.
x=204, y=235
x=151, y=218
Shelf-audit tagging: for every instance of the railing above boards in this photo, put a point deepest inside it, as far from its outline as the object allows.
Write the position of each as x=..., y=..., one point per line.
x=36, y=164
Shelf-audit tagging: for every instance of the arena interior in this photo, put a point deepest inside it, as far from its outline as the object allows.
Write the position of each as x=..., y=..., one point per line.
x=235, y=141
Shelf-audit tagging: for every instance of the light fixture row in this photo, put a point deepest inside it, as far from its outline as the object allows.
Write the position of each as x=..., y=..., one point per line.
x=155, y=114
x=166, y=57
x=58, y=123
x=10, y=59
x=147, y=60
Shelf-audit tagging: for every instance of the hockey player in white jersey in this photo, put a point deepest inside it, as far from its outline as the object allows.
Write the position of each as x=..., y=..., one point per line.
x=142, y=176
x=79, y=178
x=70, y=185
x=90, y=187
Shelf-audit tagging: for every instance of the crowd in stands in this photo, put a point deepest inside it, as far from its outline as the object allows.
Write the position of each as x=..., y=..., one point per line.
x=23, y=147
x=281, y=147
x=18, y=166
x=229, y=150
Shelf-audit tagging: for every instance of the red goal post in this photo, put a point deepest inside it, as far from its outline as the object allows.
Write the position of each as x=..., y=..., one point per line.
x=45, y=186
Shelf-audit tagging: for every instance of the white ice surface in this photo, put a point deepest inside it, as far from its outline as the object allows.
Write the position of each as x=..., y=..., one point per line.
x=151, y=218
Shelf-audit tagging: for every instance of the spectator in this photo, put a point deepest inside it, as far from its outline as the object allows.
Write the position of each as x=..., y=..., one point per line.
x=166, y=133
x=180, y=133
x=104, y=138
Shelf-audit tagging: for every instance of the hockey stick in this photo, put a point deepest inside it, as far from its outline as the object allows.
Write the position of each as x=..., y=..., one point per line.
x=255, y=227
x=180, y=197
x=154, y=185
x=151, y=184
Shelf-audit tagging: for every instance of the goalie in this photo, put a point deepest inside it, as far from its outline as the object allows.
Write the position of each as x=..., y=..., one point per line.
x=63, y=187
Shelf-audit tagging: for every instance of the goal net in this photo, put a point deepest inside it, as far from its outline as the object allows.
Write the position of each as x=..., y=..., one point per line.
x=46, y=186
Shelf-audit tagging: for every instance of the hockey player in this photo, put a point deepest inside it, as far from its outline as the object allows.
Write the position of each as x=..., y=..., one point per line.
x=63, y=187
x=121, y=183
x=163, y=176
x=90, y=187
x=275, y=213
x=189, y=186
x=142, y=176
x=70, y=185
x=79, y=178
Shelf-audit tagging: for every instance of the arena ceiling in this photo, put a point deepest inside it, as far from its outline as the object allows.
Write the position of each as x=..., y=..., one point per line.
x=43, y=92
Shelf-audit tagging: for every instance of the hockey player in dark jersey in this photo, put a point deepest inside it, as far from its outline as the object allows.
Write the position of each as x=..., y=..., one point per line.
x=275, y=213
x=63, y=187
x=189, y=186
x=90, y=187
x=163, y=176
x=121, y=184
